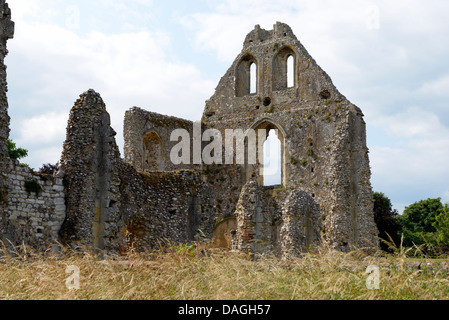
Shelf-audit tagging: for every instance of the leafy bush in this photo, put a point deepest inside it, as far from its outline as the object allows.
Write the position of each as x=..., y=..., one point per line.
x=418, y=222
x=14, y=152
x=442, y=226
x=33, y=186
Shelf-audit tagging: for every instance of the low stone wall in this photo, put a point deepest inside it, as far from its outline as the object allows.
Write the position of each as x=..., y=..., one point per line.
x=34, y=206
x=164, y=206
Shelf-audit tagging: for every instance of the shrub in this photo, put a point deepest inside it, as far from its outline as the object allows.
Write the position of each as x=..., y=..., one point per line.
x=418, y=222
x=33, y=186
x=442, y=226
x=14, y=152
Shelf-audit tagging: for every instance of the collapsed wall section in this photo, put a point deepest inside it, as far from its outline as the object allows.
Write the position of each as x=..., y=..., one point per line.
x=285, y=222
x=112, y=205
x=148, y=144
x=301, y=224
x=164, y=207
x=89, y=161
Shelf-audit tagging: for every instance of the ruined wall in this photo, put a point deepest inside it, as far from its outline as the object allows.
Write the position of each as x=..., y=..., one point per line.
x=113, y=206
x=35, y=207
x=147, y=144
x=89, y=161
x=285, y=222
x=301, y=224
x=253, y=220
x=6, y=32
x=161, y=207
x=323, y=143
x=322, y=135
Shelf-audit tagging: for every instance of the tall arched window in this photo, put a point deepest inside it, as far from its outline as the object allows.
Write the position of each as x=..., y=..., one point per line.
x=246, y=76
x=266, y=156
x=284, y=69
x=272, y=174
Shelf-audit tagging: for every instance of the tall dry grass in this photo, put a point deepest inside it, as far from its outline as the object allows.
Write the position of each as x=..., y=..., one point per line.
x=202, y=272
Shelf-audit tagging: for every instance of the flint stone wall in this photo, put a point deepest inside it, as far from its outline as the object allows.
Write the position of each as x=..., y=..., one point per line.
x=114, y=206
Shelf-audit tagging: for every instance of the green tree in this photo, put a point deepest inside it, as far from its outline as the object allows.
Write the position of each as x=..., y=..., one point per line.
x=418, y=222
x=14, y=152
x=442, y=226
x=387, y=221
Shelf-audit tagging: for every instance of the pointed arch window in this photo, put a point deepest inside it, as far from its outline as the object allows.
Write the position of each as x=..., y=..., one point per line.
x=272, y=174
x=268, y=147
x=284, y=69
x=246, y=76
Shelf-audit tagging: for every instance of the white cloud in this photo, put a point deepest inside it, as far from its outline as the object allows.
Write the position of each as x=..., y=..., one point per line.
x=412, y=123
x=412, y=162
x=42, y=130
x=438, y=87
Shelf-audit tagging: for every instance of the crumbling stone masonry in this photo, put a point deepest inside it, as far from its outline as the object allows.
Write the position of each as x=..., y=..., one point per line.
x=100, y=200
x=113, y=206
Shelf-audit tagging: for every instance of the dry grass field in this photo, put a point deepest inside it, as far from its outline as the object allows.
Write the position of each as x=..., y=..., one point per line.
x=201, y=272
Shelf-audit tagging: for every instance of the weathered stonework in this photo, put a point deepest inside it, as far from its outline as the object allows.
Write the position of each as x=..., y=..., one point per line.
x=323, y=143
x=32, y=216
x=6, y=32
x=301, y=227
x=113, y=206
x=101, y=200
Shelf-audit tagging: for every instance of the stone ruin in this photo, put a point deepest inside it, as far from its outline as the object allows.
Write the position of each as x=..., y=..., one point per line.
x=98, y=199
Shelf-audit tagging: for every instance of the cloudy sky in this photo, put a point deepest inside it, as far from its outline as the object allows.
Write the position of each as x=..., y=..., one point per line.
x=391, y=58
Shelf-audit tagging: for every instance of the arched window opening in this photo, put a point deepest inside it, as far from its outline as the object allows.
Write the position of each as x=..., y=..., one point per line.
x=246, y=76
x=272, y=174
x=290, y=72
x=152, y=152
x=253, y=78
x=284, y=69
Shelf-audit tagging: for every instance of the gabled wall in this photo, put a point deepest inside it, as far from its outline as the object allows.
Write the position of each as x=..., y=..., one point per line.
x=323, y=139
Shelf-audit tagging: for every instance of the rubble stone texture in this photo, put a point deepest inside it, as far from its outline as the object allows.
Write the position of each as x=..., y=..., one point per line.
x=100, y=200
